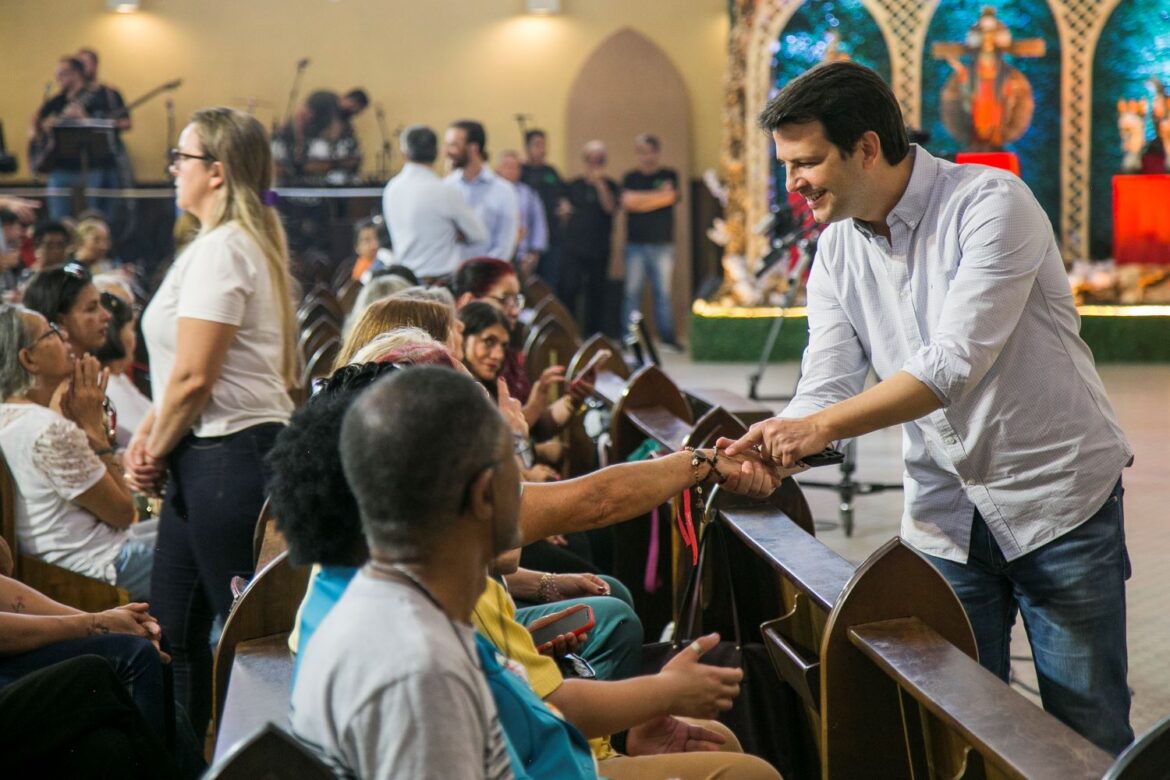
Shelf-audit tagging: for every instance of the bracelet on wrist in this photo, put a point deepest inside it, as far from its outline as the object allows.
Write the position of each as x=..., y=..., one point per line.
x=548, y=591
x=698, y=460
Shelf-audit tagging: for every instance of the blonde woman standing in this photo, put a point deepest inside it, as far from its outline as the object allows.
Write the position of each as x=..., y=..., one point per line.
x=220, y=336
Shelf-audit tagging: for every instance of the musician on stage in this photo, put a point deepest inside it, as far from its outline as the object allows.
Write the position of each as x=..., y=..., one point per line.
x=89, y=64
x=317, y=146
x=76, y=100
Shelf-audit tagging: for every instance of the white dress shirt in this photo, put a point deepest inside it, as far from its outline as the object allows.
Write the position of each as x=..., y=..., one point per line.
x=427, y=220
x=970, y=297
x=494, y=200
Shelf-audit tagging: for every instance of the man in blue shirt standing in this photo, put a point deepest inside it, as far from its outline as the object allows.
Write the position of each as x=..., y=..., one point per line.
x=490, y=197
x=946, y=281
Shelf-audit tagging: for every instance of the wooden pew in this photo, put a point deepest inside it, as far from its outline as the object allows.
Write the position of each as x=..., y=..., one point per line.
x=56, y=582
x=749, y=412
x=960, y=720
x=1147, y=758
x=270, y=753
x=266, y=610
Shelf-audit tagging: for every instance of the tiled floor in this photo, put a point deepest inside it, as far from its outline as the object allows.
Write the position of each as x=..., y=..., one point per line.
x=1141, y=396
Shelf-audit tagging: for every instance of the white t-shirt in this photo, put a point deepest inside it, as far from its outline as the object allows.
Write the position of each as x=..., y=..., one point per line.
x=129, y=404
x=389, y=687
x=223, y=277
x=52, y=464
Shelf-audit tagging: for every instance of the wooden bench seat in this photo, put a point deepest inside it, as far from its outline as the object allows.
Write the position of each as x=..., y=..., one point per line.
x=1009, y=733
x=257, y=693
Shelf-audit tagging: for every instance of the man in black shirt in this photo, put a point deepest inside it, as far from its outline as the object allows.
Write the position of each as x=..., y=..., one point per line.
x=649, y=193
x=594, y=199
x=543, y=178
x=77, y=100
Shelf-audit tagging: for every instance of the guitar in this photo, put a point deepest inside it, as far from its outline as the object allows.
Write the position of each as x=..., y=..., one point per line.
x=42, y=149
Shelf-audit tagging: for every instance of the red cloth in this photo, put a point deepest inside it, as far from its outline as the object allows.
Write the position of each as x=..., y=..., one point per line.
x=1141, y=219
x=1008, y=161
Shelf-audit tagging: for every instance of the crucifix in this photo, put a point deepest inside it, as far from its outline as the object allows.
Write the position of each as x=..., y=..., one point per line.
x=989, y=105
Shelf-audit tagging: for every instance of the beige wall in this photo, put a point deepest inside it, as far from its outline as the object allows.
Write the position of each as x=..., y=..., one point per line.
x=426, y=60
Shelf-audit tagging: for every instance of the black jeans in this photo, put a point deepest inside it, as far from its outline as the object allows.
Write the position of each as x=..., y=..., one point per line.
x=215, y=492
x=584, y=277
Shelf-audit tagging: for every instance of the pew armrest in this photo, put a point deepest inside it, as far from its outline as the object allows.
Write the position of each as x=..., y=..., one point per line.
x=1007, y=730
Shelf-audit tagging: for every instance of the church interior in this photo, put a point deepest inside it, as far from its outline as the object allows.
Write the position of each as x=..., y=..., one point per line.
x=840, y=328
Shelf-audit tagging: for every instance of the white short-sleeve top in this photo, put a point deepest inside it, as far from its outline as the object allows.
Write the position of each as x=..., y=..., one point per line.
x=52, y=464
x=222, y=276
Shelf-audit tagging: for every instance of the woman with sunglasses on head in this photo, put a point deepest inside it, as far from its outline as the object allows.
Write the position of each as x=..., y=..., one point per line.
x=220, y=335
x=73, y=506
x=68, y=297
x=116, y=355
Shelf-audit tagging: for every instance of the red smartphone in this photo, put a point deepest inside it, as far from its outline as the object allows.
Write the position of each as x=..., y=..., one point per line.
x=577, y=619
x=599, y=357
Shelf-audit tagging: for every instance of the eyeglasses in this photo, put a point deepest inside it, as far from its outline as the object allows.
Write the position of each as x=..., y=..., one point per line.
x=54, y=330
x=508, y=301
x=175, y=156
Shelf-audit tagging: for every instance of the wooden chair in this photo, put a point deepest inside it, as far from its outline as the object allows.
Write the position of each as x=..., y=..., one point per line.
x=266, y=608
x=536, y=290
x=56, y=582
x=270, y=754
x=320, y=306
x=347, y=294
x=1148, y=758
x=320, y=362
x=267, y=540
x=551, y=306
x=315, y=335
x=549, y=343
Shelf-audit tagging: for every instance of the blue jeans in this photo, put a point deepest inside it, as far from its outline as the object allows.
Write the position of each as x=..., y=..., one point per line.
x=614, y=649
x=133, y=658
x=133, y=566
x=213, y=498
x=98, y=178
x=1071, y=595
x=655, y=261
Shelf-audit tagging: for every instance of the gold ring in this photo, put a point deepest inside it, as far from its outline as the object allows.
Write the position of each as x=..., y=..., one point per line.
x=698, y=648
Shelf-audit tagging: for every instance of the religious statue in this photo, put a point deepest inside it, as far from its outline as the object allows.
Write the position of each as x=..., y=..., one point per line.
x=988, y=105
x=1131, y=126
x=1156, y=158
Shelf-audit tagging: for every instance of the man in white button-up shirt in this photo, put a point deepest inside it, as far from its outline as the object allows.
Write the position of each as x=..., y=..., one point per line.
x=946, y=281
x=428, y=221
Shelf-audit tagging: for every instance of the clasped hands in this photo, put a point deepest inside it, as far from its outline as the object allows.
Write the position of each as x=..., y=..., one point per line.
x=770, y=451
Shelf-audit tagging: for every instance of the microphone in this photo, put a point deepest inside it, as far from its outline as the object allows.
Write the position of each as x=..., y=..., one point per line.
x=302, y=63
x=522, y=117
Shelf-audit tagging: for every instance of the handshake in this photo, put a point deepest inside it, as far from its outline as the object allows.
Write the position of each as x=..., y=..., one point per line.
x=771, y=450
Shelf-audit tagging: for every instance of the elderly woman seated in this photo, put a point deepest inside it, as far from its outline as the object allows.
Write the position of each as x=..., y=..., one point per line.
x=73, y=507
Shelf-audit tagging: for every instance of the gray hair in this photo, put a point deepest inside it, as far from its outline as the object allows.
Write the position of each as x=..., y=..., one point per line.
x=15, y=381
x=419, y=144
x=434, y=431
x=419, y=293
x=378, y=288
x=385, y=343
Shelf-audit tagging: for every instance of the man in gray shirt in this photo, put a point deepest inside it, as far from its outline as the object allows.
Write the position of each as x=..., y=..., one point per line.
x=428, y=221
x=946, y=281
x=391, y=685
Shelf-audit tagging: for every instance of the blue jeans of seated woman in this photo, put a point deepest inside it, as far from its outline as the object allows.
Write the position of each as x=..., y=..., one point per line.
x=133, y=658
x=1071, y=595
x=614, y=649
x=214, y=495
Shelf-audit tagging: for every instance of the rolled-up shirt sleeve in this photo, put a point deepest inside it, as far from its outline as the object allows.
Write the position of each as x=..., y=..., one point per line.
x=1003, y=240
x=835, y=363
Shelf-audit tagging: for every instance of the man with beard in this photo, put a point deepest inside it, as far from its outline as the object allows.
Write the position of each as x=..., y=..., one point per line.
x=490, y=197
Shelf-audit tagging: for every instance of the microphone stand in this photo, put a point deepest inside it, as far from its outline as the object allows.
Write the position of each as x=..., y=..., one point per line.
x=296, y=88
x=384, y=156
x=170, y=107
x=522, y=121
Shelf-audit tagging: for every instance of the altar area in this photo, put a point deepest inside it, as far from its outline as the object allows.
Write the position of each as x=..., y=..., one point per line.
x=1084, y=120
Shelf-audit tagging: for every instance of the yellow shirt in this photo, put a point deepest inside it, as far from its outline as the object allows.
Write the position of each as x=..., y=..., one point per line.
x=495, y=617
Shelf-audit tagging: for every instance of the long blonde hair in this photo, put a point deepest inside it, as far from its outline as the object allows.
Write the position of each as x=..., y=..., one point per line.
x=238, y=142
x=432, y=317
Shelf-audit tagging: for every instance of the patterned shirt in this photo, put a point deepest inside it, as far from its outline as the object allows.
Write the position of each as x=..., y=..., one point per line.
x=971, y=298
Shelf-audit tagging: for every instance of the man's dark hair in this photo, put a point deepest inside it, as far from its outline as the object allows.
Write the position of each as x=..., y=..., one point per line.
x=359, y=96
x=74, y=64
x=311, y=499
x=848, y=100
x=91, y=53
x=419, y=144
x=475, y=134
x=120, y=313
x=54, y=291
x=529, y=135
x=8, y=217
x=399, y=270
x=49, y=228
x=650, y=140
x=411, y=445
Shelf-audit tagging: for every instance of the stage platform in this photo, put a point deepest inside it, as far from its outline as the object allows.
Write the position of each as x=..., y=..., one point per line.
x=1116, y=334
